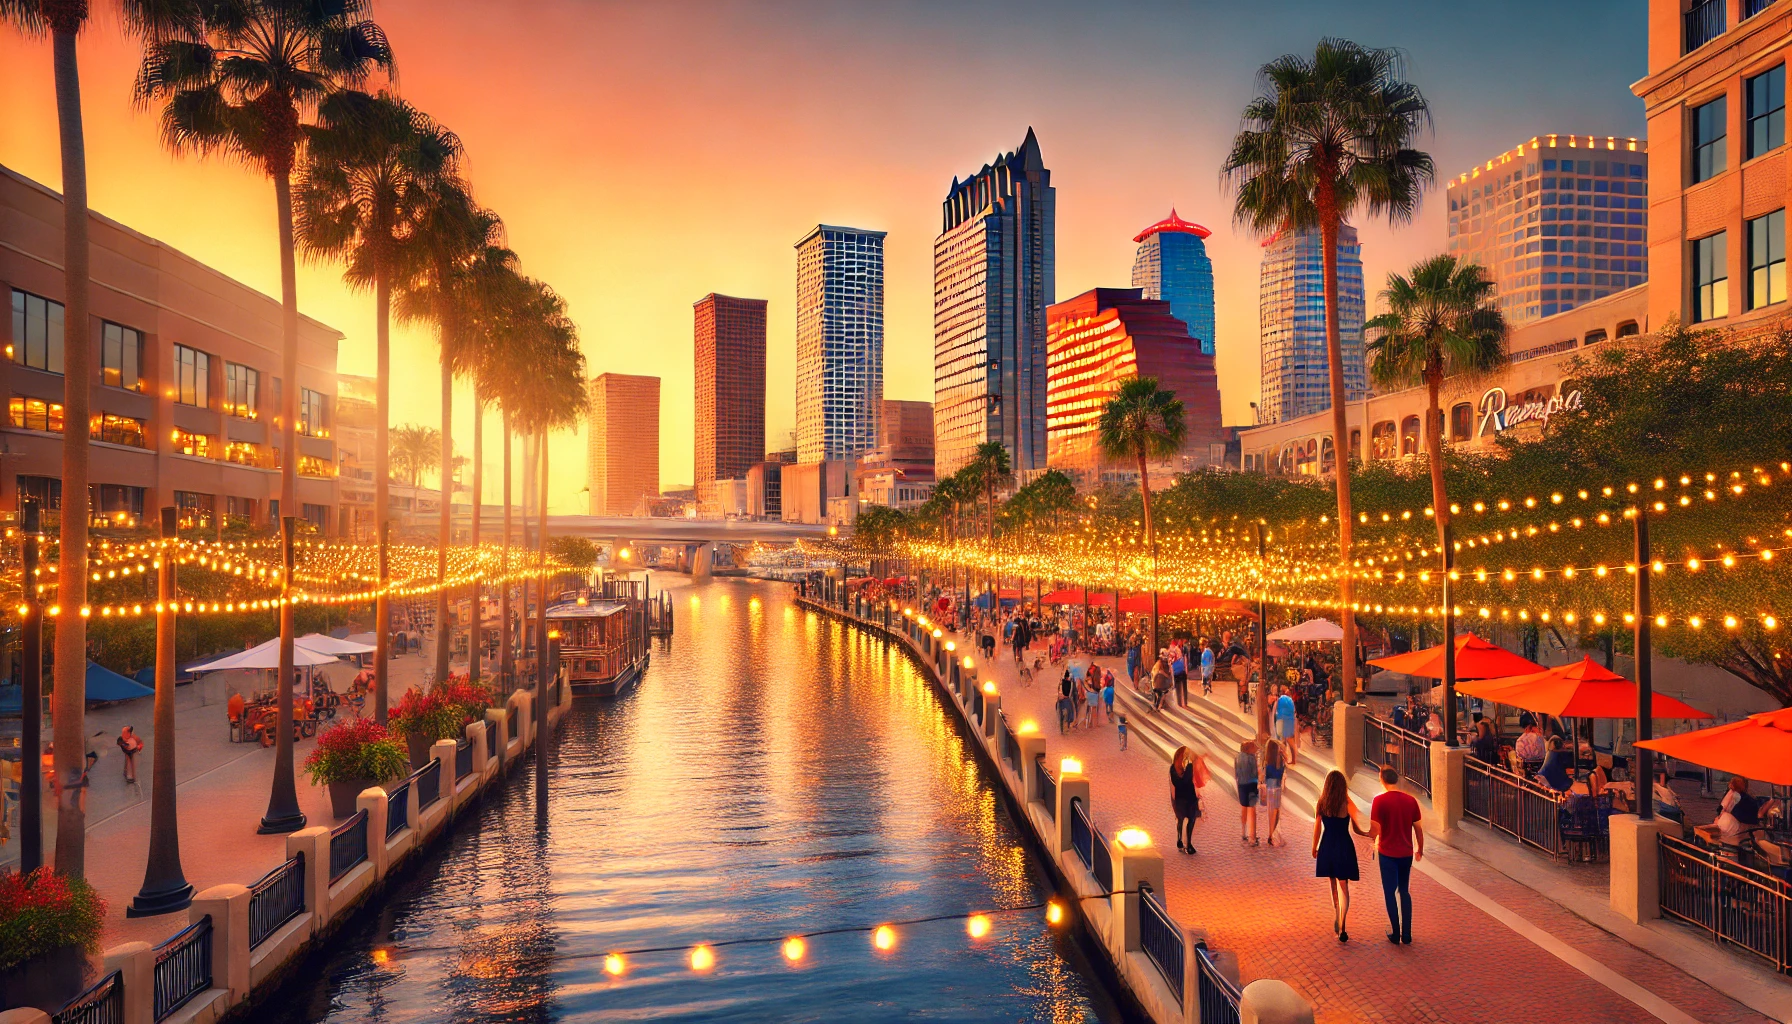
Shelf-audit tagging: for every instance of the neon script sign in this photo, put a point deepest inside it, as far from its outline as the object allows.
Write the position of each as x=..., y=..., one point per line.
x=1497, y=415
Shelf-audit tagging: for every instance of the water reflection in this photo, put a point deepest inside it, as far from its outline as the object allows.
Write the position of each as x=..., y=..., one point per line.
x=775, y=774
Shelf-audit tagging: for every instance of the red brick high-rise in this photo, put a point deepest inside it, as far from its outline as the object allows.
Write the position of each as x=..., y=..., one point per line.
x=730, y=365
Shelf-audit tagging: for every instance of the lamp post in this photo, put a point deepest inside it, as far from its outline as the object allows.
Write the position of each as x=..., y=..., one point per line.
x=31, y=785
x=1645, y=673
x=165, y=886
x=1262, y=637
x=1449, y=635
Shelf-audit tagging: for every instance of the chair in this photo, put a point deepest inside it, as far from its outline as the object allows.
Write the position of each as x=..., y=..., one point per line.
x=1602, y=811
x=1579, y=821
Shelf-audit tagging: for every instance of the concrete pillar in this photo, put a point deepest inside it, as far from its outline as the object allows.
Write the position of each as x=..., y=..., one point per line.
x=373, y=801
x=228, y=906
x=1347, y=736
x=496, y=728
x=1132, y=865
x=992, y=711
x=1448, y=776
x=443, y=751
x=314, y=845
x=476, y=734
x=703, y=560
x=1636, y=865
x=1030, y=748
x=1071, y=786
x=1267, y=1001
x=136, y=964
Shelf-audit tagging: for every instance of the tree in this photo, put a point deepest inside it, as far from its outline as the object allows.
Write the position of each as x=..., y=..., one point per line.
x=1330, y=135
x=415, y=450
x=991, y=468
x=372, y=165
x=1141, y=422
x=1440, y=322
x=576, y=552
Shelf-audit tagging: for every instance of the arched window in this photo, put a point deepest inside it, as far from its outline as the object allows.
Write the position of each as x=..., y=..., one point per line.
x=1384, y=441
x=1328, y=456
x=1462, y=421
x=1409, y=436
x=1628, y=329
x=1356, y=443
x=1594, y=337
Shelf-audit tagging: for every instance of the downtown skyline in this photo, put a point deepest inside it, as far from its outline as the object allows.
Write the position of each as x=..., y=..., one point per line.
x=616, y=230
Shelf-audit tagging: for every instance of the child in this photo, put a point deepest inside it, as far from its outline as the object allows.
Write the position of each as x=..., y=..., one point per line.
x=1122, y=725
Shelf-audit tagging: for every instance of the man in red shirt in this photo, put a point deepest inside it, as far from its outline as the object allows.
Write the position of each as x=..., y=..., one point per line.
x=1394, y=827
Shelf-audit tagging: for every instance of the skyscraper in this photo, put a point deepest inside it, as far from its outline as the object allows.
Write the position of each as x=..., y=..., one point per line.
x=1172, y=265
x=1291, y=324
x=624, y=442
x=839, y=342
x=730, y=365
x=992, y=279
x=1556, y=222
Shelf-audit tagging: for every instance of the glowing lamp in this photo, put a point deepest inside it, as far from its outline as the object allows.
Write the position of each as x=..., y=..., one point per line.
x=967, y=661
x=382, y=954
x=1133, y=838
x=951, y=645
x=989, y=689
x=977, y=925
x=553, y=634
x=1028, y=727
x=614, y=965
x=1054, y=912
x=623, y=554
x=795, y=948
x=1070, y=766
x=937, y=634
x=884, y=938
x=702, y=958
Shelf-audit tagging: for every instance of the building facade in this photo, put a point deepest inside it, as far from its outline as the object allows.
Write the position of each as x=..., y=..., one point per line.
x=1715, y=99
x=185, y=392
x=624, y=443
x=899, y=471
x=1291, y=324
x=839, y=342
x=993, y=277
x=1107, y=335
x=730, y=394
x=1558, y=221
x=1172, y=265
x=806, y=488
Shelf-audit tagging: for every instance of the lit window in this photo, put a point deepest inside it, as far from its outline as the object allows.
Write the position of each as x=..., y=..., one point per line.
x=35, y=414
x=1708, y=140
x=242, y=386
x=192, y=377
x=121, y=357
x=192, y=444
x=104, y=426
x=1767, y=260
x=36, y=332
x=311, y=413
x=1710, y=279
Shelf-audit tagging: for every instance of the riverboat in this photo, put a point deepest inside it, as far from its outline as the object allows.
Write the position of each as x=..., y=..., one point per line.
x=603, y=632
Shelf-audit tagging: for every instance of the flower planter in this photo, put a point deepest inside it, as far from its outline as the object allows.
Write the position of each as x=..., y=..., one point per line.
x=45, y=982
x=343, y=795
x=419, y=748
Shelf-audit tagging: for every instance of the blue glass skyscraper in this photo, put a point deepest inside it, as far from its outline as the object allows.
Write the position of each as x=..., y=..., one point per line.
x=1172, y=265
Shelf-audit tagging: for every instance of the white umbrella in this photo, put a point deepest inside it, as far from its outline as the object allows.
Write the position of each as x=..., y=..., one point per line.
x=330, y=645
x=1312, y=630
x=266, y=655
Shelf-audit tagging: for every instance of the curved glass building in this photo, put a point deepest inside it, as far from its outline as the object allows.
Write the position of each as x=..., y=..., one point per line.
x=1172, y=265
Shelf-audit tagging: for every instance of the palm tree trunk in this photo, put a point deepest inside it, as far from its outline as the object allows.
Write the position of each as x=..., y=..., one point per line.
x=476, y=642
x=69, y=705
x=506, y=658
x=382, y=487
x=283, y=813
x=1434, y=445
x=544, y=672
x=444, y=633
x=1334, y=355
x=1150, y=548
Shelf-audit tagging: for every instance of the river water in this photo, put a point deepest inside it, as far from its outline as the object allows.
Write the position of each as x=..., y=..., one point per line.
x=774, y=774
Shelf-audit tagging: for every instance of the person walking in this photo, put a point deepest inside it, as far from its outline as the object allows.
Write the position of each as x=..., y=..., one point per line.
x=1092, y=704
x=130, y=744
x=1066, y=709
x=1206, y=668
x=1186, y=777
x=1245, y=775
x=1399, y=844
x=1273, y=767
x=1160, y=682
x=1284, y=722
x=1132, y=660
x=1334, y=851
x=1179, y=673
x=1107, y=693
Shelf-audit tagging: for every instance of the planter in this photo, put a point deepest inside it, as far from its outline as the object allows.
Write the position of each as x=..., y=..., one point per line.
x=45, y=982
x=343, y=795
x=419, y=748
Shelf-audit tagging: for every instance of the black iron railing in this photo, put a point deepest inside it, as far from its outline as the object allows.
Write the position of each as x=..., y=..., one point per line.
x=1082, y=835
x=398, y=809
x=1704, y=22
x=1161, y=939
x=276, y=899
x=183, y=967
x=1750, y=8
x=1103, y=865
x=348, y=846
x=463, y=759
x=1387, y=745
x=1512, y=804
x=511, y=716
x=428, y=780
x=1735, y=905
x=977, y=703
x=103, y=1003
x=1010, y=748
x=1048, y=786
x=1217, y=995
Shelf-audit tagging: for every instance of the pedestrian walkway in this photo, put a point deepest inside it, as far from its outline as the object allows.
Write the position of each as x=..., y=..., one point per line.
x=1485, y=949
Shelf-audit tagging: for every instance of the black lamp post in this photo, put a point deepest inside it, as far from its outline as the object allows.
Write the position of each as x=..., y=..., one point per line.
x=31, y=785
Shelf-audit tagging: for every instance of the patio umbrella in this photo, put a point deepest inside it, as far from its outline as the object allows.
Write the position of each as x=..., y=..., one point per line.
x=267, y=655
x=1758, y=747
x=1171, y=603
x=1310, y=631
x=1581, y=690
x=1075, y=595
x=331, y=645
x=1475, y=659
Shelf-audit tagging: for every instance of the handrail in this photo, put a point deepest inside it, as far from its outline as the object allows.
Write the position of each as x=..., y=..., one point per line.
x=1704, y=22
x=1735, y=905
x=428, y=780
x=1082, y=836
x=398, y=809
x=1510, y=803
x=1412, y=751
x=1161, y=939
x=183, y=967
x=348, y=845
x=1103, y=867
x=101, y=1003
x=276, y=898
x=1217, y=995
x=463, y=759
x=1048, y=786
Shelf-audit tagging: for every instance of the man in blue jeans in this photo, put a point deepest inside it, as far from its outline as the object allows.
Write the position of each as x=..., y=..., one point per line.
x=1399, y=843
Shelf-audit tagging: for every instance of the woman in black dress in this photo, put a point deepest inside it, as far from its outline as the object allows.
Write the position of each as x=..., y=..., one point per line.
x=1334, y=851
x=1185, y=797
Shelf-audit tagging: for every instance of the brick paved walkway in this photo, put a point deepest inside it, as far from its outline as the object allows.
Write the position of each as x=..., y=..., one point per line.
x=1264, y=904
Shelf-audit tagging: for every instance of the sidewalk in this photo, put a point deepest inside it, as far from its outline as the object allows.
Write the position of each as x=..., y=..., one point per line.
x=1485, y=948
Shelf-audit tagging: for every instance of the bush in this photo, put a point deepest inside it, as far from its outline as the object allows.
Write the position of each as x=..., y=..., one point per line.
x=44, y=911
x=359, y=749
x=442, y=712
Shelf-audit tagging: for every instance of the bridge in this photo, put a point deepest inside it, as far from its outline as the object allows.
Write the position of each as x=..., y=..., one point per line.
x=695, y=539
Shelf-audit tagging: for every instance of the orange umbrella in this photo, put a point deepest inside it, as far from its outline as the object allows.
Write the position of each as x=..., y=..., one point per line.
x=1074, y=595
x=1171, y=603
x=1758, y=747
x=1581, y=690
x=1475, y=659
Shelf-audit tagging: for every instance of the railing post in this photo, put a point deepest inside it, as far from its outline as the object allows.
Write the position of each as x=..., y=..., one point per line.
x=314, y=843
x=1448, y=765
x=1347, y=736
x=373, y=801
x=498, y=728
x=1071, y=786
x=1636, y=863
x=1132, y=864
x=136, y=964
x=1267, y=1001
x=479, y=734
x=1030, y=748
x=992, y=710
x=443, y=751
x=228, y=906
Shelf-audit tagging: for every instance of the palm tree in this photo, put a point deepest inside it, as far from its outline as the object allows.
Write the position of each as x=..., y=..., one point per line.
x=1330, y=135
x=992, y=469
x=1440, y=322
x=238, y=78
x=372, y=165
x=1141, y=422
x=415, y=450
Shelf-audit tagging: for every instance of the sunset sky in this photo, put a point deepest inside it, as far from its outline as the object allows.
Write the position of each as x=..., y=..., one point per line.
x=645, y=154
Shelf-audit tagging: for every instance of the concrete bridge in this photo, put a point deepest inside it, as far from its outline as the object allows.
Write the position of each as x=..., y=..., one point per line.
x=695, y=539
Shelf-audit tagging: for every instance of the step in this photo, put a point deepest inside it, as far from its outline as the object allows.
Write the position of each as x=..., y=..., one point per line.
x=1174, y=727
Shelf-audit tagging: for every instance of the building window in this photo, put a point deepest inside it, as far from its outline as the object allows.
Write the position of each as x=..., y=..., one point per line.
x=311, y=465
x=316, y=515
x=1710, y=279
x=35, y=414
x=1462, y=421
x=121, y=357
x=1356, y=443
x=239, y=510
x=241, y=390
x=1708, y=140
x=1767, y=260
x=115, y=504
x=1409, y=436
x=1627, y=329
x=1766, y=110
x=45, y=490
x=1383, y=442
x=36, y=332
x=192, y=377
x=193, y=510
x=117, y=430
x=192, y=444
x=244, y=453
x=311, y=413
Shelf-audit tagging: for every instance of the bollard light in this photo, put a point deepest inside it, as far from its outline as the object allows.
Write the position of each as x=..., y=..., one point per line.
x=1133, y=838
x=1070, y=766
x=1028, y=727
x=1054, y=912
x=989, y=689
x=968, y=664
x=951, y=645
x=937, y=634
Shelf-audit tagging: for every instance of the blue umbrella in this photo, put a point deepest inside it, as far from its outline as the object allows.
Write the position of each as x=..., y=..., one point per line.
x=105, y=685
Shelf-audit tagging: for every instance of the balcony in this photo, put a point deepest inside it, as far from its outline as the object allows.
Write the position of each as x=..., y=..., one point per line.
x=1705, y=22
x=1750, y=8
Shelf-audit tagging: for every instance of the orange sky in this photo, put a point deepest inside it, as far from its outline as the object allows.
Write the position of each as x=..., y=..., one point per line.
x=643, y=155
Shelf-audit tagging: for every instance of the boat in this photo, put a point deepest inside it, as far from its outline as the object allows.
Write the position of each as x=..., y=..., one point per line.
x=602, y=634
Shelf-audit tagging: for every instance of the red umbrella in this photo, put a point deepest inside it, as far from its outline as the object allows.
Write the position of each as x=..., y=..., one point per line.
x=1171, y=603
x=1475, y=659
x=1074, y=595
x=1758, y=747
x=1580, y=690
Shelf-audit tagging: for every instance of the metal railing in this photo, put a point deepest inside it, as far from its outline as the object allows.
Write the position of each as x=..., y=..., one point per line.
x=1750, y=8
x=1704, y=22
x=1082, y=834
x=1214, y=991
x=1048, y=786
x=1733, y=904
x=1010, y=748
x=348, y=845
x=1161, y=940
x=1387, y=745
x=276, y=899
x=463, y=759
x=511, y=717
x=183, y=967
x=1512, y=804
x=977, y=703
x=428, y=780
x=1103, y=867
x=103, y=1003
x=398, y=809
